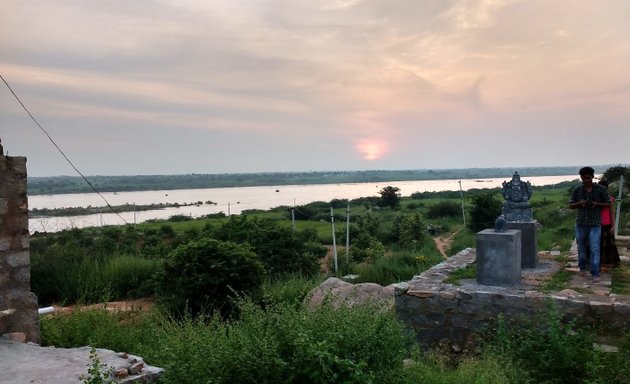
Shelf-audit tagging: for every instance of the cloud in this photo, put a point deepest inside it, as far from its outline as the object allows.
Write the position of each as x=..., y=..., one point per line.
x=301, y=73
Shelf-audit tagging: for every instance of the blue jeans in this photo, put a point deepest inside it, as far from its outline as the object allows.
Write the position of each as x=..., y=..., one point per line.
x=588, y=237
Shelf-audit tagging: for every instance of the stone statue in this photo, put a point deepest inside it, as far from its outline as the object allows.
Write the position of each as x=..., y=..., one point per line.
x=500, y=225
x=517, y=194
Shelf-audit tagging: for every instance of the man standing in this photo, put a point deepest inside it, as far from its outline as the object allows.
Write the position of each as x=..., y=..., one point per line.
x=588, y=199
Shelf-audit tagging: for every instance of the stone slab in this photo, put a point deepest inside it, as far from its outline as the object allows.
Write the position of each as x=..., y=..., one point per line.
x=529, y=249
x=499, y=257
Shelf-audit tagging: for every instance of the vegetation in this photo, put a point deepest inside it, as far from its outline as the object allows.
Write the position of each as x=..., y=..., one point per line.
x=232, y=292
x=390, y=197
x=290, y=344
x=484, y=210
x=207, y=274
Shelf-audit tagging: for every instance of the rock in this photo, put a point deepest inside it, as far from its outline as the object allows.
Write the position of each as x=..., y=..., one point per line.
x=136, y=368
x=121, y=373
x=20, y=337
x=340, y=292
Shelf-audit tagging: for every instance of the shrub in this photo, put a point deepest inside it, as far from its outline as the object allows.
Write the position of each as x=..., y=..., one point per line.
x=280, y=249
x=412, y=230
x=444, y=209
x=549, y=351
x=485, y=208
x=390, y=197
x=366, y=247
x=209, y=274
x=131, y=277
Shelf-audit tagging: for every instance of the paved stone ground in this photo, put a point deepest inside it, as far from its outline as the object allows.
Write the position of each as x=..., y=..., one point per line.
x=29, y=363
x=585, y=283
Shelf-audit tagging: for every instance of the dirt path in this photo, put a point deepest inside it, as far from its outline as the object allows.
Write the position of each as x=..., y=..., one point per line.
x=442, y=243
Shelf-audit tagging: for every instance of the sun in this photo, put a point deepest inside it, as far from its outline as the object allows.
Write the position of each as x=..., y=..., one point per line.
x=371, y=149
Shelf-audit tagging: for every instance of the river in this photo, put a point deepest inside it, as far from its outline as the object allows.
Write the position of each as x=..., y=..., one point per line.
x=235, y=200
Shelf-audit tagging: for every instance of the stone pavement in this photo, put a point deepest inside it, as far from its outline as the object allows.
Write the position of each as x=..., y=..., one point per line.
x=22, y=363
x=585, y=283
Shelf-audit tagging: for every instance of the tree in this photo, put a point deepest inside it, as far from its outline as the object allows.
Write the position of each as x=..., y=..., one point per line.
x=485, y=208
x=390, y=197
x=207, y=275
x=281, y=250
x=613, y=174
x=368, y=223
x=412, y=230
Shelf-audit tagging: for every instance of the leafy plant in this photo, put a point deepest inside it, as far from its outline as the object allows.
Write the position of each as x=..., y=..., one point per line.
x=98, y=373
x=207, y=275
x=550, y=351
x=390, y=196
x=484, y=210
x=468, y=272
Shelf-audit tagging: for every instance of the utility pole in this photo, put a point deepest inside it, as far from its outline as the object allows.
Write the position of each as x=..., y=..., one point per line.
x=332, y=221
x=348, y=234
x=461, y=194
x=293, y=216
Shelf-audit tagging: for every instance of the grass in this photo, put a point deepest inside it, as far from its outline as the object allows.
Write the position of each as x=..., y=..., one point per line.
x=558, y=281
x=281, y=343
x=363, y=344
x=468, y=272
x=620, y=284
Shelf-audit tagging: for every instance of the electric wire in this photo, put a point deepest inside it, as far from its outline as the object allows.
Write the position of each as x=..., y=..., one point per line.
x=61, y=151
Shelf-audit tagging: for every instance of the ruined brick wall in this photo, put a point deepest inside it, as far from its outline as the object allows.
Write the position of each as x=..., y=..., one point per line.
x=18, y=306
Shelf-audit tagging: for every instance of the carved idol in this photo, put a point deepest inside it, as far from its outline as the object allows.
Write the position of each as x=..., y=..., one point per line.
x=517, y=193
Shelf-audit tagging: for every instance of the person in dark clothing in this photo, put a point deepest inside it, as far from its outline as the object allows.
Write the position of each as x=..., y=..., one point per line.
x=589, y=199
x=609, y=255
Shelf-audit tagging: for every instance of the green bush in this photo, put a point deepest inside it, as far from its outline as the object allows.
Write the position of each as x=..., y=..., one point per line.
x=484, y=210
x=208, y=275
x=281, y=344
x=412, y=230
x=390, y=197
x=290, y=290
x=444, y=209
x=281, y=250
x=549, y=351
x=131, y=276
x=366, y=247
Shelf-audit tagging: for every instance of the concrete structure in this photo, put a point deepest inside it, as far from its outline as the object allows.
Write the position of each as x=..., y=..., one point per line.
x=499, y=257
x=529, y=250
x=439, y=312
x=18, y=306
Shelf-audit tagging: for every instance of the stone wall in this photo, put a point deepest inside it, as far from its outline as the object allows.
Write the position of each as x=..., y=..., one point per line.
x=440, y=312
x=18, y=306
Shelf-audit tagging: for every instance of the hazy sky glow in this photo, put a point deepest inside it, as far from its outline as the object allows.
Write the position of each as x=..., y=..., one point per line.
x=210, y=86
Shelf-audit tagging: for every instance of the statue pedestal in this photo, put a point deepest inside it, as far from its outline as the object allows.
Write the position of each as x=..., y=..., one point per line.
x=518, y=214
x=499, y=257
x=529, y=248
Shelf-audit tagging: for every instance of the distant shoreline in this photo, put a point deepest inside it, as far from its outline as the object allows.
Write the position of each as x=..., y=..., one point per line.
x=75, y=184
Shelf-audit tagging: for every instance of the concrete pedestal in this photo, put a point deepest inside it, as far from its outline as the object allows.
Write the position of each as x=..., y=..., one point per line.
x=499, y=257
x=529, y=249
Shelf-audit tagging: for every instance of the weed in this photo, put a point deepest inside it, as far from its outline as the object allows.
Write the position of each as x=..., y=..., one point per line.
x=620, y=280
x=468, y=272
x=98, y=373
x=558, y=281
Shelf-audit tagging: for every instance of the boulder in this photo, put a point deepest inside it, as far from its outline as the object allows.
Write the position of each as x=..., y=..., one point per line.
x=340, y=292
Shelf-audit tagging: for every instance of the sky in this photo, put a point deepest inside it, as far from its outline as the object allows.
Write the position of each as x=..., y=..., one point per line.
x=231, y=86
